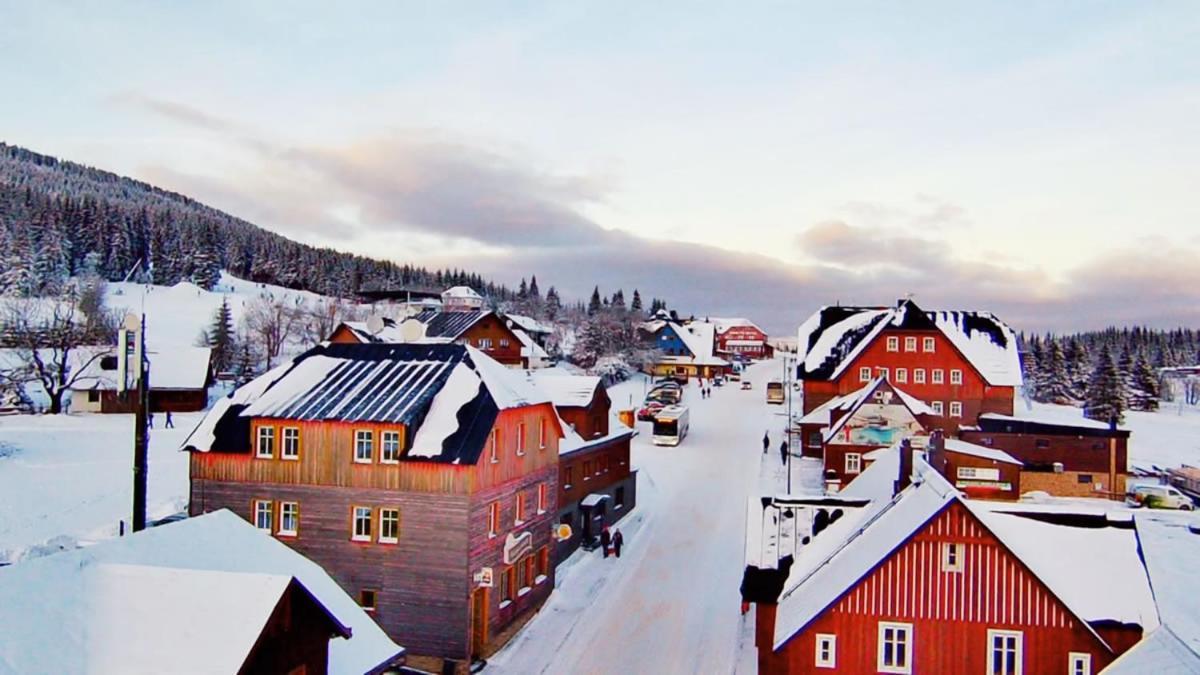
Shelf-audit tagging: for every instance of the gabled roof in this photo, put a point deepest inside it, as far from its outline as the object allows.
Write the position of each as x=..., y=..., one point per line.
x=834, y=413
x=1170, y=544
x=170, y=368
x=461, y=292
x=563, y=389
x=1162, y=652
x=833, y=337
x=529, y=324
x=194, y=593
x=699, y=344
x=448, y=396
x=981, y=451
x=723, y=324
x=529, y=348
x=390, y=332
x=449, y=324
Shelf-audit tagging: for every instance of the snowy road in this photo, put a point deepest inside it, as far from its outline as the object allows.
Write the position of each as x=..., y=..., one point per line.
x=670, y=604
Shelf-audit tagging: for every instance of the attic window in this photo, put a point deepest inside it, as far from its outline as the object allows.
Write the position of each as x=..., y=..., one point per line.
x=952, y=557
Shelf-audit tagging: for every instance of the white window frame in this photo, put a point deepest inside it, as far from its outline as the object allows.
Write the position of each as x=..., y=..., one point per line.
x=542, y=498
x=357, y=514
x=864, y=374
x=955, y=376
x=882, y=372
x=938, y=376
x=901, y=375
x=521, y=439
x=266, y=433
x=827, y=657
x=494, y=447
x=359, y=436
x=284, y=530
x=1079, y=663
x=270, y=513
x=291, y=437
x=956, y=408
x=910, y=344
x=905, y=667
x=519, y=516
x=494, y=515
x=384, y=438
x=918, y=376
x=485, y=343
x=893, y=343
x=542, y=433
x=928, y=345
x=383, y=539
x=855, y=466
x=1019, y=649
x=952, y=556
x=937, y=408
x=503, y=342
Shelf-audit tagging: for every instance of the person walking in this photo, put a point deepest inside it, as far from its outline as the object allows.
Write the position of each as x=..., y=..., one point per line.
x=170, y=422
x=783, y=452
x=618, y=540
x=150, y=421
x=766, y=441
x=605, y=540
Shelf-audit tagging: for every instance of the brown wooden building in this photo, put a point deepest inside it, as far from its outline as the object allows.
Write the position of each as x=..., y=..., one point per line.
x=961, y=364
x=179, y=382
x=484, y=330
x=422, y=477
x=979, y=471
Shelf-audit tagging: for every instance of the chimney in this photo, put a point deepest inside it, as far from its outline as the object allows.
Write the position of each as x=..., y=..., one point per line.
x=906, y=465
x=935, y=451
x=1112, y=423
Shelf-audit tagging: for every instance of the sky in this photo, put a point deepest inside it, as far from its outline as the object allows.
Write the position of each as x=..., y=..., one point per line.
x=1039, y=160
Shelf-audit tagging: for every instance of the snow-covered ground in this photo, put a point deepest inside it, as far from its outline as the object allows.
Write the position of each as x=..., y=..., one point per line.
x=69, y=478
x=670, y=604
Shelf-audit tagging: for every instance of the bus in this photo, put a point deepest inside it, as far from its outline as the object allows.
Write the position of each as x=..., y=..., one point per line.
x=775, y=393
x=670, y=425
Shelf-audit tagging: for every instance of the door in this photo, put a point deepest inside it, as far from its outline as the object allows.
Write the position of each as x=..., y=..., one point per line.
x=479, y=621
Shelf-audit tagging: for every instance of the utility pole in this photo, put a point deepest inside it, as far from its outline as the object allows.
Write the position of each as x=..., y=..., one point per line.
x=787, y=429
x=141, y=432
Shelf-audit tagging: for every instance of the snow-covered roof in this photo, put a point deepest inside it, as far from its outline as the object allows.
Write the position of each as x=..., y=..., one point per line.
x=834, y=413
x=1162, y=652
x=981, y=451
x=723, y=324
x=699, y=343
x=194, y=594
x=170, y=368
x=529, y=348
x=1069, y=420
x=529, y=324
x=433, y=389
x=461, y=292
x=389, y=332
x=449, y=324
x=878, y=480
x=1171, y=547
x=565, y=390
x=573, y=442
x=833, y=337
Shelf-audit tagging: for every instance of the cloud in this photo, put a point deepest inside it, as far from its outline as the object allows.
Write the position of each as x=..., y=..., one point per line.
x=177, y=112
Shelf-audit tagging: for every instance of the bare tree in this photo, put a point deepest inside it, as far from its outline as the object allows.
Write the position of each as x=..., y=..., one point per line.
x=49, y=336
x=271, y=322
x=324, y=316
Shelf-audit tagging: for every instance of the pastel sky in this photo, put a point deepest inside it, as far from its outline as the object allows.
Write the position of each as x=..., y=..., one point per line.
x=1041, y=160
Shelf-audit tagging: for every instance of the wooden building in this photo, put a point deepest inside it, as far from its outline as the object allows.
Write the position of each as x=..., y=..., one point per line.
x=961, y=364
x=597, y=484
x=422, y=477
x=1083, y=458
x=919, y=580
x=204, y=595
x=737, y=337
x=487, y=331
x=979, y=471
x=179, y=381
x=684, y=352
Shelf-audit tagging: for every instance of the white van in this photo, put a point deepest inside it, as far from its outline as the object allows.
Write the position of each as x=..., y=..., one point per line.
x=670, y=425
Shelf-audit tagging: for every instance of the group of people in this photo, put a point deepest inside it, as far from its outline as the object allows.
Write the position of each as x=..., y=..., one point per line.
x=705, y=391
x=783, y=447
x=611, y=542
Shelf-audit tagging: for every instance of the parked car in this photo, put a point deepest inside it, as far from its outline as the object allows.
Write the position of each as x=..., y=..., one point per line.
x=647, y=413
x=1159, y=497
x=666, y=395
x=746, y=384
x=735, y=376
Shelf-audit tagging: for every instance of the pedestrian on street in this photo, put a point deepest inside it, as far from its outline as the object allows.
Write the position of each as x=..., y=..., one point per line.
x=605, y=540
x=766, y=441
x=150, y=421
x=618, y=540
x=783, y=452
x=170, y=422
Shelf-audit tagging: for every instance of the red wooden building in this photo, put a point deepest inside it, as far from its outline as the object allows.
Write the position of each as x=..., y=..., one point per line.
x=485, y=330
x=960, y=363
x=927, y=582
x=736, y=336
x=421, y=477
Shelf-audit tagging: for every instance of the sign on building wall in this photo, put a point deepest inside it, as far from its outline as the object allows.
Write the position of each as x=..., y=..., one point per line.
x=517, y=547
x=484, y=577
x=975, y=473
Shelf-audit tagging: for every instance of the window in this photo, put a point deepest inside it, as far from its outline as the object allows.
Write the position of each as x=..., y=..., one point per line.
x=520, y=514
x=952, y=557
x=910, y=344
x=927, y=344
x=367, y=599
x=289, y=519
x=893, y=344
x=93, y=395
x=587, y=470
x=619, y=497
x=542, y=433
x=864, y=374
x=853, y=462
x=937, y=407
x=494, y=519
x=485, y=343
x=895, y=648
x=1042, y=443
x=510, y=590
x=1004, y=647
x=955, y=376
x=826, y=650
x=814, y=439
x=956, y=408
x=1079, y=663
x=919, y=375
x=902, y=375
x=1085, y=478
x=389, y=526
x=364, y=446
x=939, y=376
x=494, y=451
x=567, y=473
x=362, y=524
x=291, y=443
x=525, y=572
x=503, y=342
x=505, y=594
x=266, y=442
x=389, y=447
x=543, y=564
x=543, y=498
x=263, y=515
x=881, y=372
x=521, y=439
